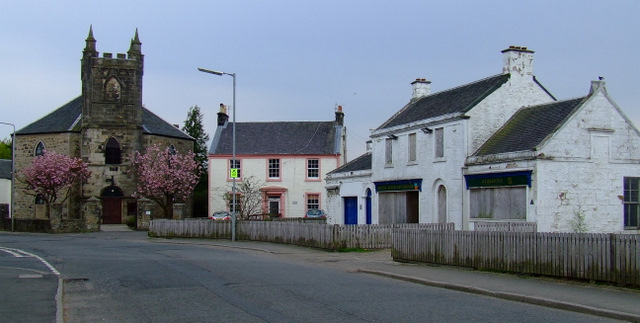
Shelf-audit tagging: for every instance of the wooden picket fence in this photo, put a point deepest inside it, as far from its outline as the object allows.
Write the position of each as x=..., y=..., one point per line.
x=190, y=228
x=611, y=258
x=505, y=226
x=317, y=235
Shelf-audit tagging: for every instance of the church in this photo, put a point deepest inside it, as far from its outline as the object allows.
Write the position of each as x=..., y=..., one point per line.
x=104, y=126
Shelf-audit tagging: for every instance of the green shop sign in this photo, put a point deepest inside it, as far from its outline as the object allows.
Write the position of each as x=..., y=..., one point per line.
x=399, y=186
x=499, y=179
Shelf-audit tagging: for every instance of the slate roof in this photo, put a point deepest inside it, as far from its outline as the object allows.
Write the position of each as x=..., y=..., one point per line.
x=529, y=126
x=61, y=120
x=154, y=125
x=360, y=163
x=67, y=118
x=5, y=168
x=278, y=137
x=453, y=101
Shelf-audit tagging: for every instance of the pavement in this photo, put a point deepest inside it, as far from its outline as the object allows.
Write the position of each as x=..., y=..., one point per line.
x=590, y=298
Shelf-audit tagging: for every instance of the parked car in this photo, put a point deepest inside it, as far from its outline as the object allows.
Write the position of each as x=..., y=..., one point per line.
x=220, y=216
x=315, y=213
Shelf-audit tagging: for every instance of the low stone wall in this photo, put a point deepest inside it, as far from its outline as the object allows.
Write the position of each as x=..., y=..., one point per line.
x=26, y=225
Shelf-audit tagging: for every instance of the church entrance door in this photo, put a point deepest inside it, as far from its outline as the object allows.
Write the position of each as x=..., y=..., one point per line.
x=111, y=210
x=112, y=205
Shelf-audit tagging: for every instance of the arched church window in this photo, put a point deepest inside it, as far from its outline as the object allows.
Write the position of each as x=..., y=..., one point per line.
x=172, y=150
x=39, y=149
x=112, y=154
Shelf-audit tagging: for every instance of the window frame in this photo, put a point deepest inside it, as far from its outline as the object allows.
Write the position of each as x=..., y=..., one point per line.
x=631, y=202
x=315, y=169
x=309, y=205
x=234, y=207
x=230, y=166
x=274, y=171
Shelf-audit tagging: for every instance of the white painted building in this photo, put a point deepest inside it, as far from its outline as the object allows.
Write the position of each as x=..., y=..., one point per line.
x=569, y=166
x=351, y=193
x=500, y=149
x=418, y=155
x=289, y=161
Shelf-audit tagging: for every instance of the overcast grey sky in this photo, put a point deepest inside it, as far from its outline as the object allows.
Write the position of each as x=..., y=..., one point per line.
x=295, y=60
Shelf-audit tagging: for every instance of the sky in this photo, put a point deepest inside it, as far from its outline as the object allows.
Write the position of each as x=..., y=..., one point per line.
x=298, y=60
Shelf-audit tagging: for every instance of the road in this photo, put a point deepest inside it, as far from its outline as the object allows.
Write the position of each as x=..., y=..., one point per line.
x=127, y=277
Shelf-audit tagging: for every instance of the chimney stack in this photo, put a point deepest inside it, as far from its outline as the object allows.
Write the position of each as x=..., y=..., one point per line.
x=339, y=116
x=222, y=115
x=421, y=88
x=597, y=85
x=517, y=61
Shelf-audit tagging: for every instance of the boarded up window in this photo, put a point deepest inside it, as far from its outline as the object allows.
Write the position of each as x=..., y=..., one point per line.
x=439, y=144
x=442, y=204
x=412, y=147
x=398, y=207
x=388, y=151
x=503, y=203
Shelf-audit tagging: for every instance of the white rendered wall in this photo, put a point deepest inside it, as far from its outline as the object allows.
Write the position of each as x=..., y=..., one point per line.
x=292, y=177
x=589, y=157
x=350, y=186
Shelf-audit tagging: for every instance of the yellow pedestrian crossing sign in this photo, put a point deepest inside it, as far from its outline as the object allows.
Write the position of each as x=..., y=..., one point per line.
x=234, y=172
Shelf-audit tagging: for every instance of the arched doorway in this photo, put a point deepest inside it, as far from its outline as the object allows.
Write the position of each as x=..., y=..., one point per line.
x=111, y=205
x=368, y=206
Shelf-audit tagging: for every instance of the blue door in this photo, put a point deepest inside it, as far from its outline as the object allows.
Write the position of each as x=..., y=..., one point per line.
x=350, y=210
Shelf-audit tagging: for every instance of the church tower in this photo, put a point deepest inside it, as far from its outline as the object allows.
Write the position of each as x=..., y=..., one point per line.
x=111, y=124
x=112, y=86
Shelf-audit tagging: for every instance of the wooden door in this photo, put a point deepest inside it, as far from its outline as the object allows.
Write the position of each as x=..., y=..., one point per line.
x=111, y=210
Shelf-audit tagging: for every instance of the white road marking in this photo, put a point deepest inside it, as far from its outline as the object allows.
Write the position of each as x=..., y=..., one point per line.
x=21, y=253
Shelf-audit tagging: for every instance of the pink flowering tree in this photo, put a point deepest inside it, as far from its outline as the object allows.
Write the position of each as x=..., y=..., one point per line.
x=165, y=177
x=51, y=176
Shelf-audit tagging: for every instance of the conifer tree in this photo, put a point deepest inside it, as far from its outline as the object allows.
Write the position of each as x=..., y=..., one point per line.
x=193, y=127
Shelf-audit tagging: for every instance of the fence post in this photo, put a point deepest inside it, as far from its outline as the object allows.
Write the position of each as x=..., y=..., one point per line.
x=613, y=258
x=338, y=239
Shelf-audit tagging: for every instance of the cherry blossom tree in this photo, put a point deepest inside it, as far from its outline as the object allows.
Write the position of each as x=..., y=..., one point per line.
x=165, y=177
x=51, y=176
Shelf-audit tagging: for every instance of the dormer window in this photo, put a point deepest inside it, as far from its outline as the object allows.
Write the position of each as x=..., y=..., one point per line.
x=112, y=154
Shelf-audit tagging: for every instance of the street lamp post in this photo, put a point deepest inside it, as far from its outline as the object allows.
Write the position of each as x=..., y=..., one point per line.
x=13, y=169
x=233, y=129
